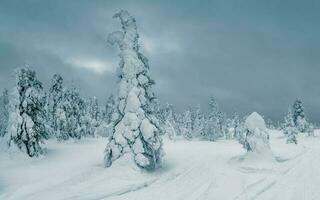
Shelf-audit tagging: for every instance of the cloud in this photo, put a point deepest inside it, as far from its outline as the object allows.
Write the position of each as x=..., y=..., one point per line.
x=253, y=56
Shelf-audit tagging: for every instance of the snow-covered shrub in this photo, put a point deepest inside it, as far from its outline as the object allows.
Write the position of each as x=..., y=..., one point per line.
x=136, y=130
x=257, y=137
x=26, y=128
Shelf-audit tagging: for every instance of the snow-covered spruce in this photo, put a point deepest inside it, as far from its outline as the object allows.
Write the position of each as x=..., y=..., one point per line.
x=54, y=100
x=257, y=137
x=299, y=117
x=26, y=128
x=170, y=122
x=136, y=130
x=289, y=128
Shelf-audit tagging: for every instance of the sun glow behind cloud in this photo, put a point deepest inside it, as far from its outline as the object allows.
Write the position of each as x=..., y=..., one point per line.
x=94, y=65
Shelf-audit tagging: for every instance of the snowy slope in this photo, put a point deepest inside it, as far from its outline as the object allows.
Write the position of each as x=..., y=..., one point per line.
x=191, y=170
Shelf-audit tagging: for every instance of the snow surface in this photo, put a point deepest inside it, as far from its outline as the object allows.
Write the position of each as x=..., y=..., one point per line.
x=191, y=170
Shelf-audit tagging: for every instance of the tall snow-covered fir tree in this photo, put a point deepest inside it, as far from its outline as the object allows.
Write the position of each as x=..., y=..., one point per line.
x=4, y=112
x=26, y=128
x=299, y=116
x=136, y=130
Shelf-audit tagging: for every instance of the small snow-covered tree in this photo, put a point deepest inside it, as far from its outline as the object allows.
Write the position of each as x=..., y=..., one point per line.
x=4, y=112
x=136, y=130
x=289, y=128
x=26, y=128
x=299, y=116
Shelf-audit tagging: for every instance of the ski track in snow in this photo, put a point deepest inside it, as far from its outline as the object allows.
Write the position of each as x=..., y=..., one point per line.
x=192, y=170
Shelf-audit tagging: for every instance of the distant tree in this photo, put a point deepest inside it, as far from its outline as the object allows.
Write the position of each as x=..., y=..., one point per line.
x=299, y=116
x=54, y=99
x=199, y=123
x=213, y=128
x=170, y=122
x=94, y=111
x=4, y=112
x=78, y=114
x=136, y=129
x=110, y=109
x=289, y=128
x=187, y=125
x=26, y=128
x=238, y=126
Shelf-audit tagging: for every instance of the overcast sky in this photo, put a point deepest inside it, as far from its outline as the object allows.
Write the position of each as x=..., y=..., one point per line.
x=251, y=55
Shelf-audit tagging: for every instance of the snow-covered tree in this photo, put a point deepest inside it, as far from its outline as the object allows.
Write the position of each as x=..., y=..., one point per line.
x=257, y=137
x=299, y=116
x=170, y=122
x=136, y=130
x=78, y=115
x=198, y=127
x=54, y=99
x=186, y=126
x=26, y=129
x=109, y=110
x=213, y=122
x=4, y=112
x=94, y=110
x=289, y=128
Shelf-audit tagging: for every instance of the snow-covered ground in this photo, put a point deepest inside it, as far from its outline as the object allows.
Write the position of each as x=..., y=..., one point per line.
x=191, y=170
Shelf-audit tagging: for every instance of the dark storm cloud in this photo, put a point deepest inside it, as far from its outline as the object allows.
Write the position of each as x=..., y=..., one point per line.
x=250, y=55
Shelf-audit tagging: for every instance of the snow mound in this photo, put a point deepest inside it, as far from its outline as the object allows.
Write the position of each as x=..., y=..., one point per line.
x=257, y=140
x=254, y=121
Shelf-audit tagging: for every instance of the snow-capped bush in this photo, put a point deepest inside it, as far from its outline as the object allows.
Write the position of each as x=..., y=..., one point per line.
x=136, y=130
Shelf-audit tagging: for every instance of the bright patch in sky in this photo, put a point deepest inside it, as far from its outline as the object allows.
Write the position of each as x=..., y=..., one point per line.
x=93, y=65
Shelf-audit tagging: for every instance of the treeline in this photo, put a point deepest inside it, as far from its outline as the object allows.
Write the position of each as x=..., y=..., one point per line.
x=30, y=114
